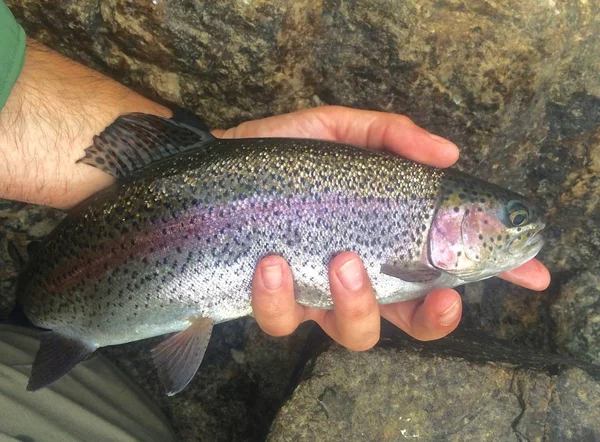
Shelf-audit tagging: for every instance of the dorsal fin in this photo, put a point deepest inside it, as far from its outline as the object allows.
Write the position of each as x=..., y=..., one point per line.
x=136, y=140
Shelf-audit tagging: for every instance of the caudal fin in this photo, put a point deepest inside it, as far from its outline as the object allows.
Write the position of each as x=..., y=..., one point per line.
x=177, y=358
x=57, y=356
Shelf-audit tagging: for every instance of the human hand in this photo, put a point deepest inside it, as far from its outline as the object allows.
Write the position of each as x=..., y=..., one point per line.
x=354, y=321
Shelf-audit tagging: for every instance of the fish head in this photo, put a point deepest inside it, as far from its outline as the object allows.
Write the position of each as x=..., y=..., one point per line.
x=480, y=230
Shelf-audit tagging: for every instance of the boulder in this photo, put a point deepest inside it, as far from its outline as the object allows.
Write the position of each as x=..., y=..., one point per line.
x=515, y=84
x=458, y=391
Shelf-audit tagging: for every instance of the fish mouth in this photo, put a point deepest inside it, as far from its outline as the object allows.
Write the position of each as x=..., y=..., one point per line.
x=534, y=245
x=531, y=247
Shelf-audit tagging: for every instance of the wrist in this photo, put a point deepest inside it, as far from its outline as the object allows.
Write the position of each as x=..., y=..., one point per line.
x=51, y=116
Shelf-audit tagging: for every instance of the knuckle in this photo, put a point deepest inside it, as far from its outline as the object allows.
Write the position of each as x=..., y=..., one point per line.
x=405, y=120
x=279, y=329
x=355, y=312
x=331, y=108
x=275, y=320
x=273, y=310
x=366, y=342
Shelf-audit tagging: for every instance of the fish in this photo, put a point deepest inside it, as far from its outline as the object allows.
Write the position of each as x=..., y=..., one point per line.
x=171, y=247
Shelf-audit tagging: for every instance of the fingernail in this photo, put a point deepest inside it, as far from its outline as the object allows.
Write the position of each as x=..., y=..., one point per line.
x=451, y=314
x=351, y=275
x=450, y=150
x=439, y=139
x=272, y=276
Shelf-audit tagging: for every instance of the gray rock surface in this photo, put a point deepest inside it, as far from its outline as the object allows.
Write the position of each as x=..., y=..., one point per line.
x=576, y=313
x=237, y=390
x=413, y=391
x=515, y=84
x=19, y=224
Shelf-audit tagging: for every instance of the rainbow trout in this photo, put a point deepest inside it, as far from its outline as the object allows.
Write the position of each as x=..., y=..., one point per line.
x=171, y=248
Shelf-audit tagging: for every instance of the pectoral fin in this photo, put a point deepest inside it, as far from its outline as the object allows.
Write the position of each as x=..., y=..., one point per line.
x=57, y=356
x=177, y=358
x=411, y=273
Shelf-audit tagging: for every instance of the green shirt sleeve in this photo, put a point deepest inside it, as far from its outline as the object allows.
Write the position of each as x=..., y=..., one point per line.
x=12, y=52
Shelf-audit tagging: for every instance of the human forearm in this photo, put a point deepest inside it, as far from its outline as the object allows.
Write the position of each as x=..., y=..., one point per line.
x=52, y=113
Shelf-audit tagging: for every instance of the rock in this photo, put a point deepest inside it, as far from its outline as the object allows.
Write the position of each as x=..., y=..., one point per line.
x=576, y=313
x=230, y=398
x=508, y=312
x=515, y=84
x=413, y=391
x=19, y=224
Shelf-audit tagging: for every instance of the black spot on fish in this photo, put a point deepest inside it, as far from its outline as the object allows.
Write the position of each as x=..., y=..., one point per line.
x=456, y=209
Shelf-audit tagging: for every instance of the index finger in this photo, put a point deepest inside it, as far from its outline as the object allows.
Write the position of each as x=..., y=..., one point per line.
x=532, y=275
x=370, y=129
x=396, y=133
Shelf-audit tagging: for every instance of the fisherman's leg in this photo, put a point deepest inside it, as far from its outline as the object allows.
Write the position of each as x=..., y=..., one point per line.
x=94, y=402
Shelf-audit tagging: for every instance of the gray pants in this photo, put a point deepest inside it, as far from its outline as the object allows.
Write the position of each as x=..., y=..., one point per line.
x=95, y=402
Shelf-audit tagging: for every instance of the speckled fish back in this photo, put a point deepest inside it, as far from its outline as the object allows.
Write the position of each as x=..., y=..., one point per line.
x=182, y=237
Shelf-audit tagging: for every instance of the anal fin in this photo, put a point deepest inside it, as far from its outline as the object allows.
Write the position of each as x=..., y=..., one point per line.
x=177, y=358
x=411, y=273
x=56, y=357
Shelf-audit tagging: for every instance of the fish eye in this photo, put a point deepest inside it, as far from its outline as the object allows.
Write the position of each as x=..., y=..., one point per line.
x=517, y=214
